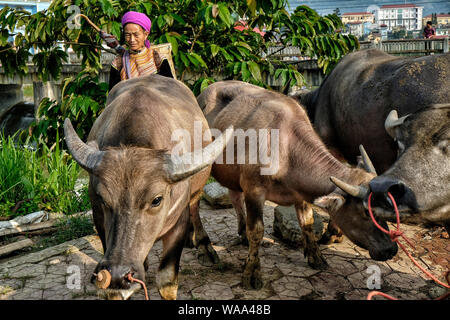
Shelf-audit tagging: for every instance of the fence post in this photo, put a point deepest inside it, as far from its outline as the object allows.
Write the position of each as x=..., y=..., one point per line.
x=445, y=47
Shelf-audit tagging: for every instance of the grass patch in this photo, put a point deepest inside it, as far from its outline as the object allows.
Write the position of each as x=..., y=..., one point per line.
x=38, y=178
x=5, y=290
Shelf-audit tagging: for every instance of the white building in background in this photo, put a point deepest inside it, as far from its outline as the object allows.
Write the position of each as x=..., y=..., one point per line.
x=393, y=16
x=357, y=17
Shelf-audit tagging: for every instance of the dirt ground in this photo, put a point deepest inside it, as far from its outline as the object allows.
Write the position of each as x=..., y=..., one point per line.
x=52, y=273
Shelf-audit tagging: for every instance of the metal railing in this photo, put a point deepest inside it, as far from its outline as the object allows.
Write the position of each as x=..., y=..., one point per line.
x=409, y=46
x=396, y=47
x=105, y=58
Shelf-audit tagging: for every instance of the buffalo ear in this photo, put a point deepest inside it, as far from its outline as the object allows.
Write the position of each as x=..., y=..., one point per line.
x=331, y=202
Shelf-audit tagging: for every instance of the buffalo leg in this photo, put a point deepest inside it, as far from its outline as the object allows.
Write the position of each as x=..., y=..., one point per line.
x=255, y=231
x=332, y=235
x=167, y=274
x=206, y=254
x=237, y=199
x=311, y=248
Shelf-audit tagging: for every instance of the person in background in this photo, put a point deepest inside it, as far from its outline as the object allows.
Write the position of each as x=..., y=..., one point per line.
x=429, y=32
x=139, y=59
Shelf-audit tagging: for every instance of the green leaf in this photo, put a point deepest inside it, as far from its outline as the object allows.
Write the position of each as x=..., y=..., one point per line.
x=226, y=54
x=173, y=41
x=284, y=76
x=252, y=6
x=254, y=69
x=192, y=59
x=214, y=49
x=245, y=72
x=204, y=85
x=244, y=44
x=178, y=18
x=160, y=22
x=184, y=58
x=224, y=14
x=237, y=68
x=169, y=19
x=116, y=29
x=199, y=59
x=278, y=72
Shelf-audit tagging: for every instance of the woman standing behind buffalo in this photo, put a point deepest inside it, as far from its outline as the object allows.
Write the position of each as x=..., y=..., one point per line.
x=140, y=59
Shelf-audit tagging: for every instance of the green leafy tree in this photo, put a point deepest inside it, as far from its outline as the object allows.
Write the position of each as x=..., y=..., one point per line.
x=206, y=46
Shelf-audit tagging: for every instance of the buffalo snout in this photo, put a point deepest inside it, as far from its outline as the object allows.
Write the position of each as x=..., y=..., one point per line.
x=118, y=275
x=403, y=195
x=383, y=248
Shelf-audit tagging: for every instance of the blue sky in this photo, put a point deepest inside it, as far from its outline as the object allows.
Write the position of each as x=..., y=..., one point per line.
x=327, y=6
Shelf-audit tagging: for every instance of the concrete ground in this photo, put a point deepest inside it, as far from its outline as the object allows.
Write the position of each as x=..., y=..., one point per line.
x=52, y=272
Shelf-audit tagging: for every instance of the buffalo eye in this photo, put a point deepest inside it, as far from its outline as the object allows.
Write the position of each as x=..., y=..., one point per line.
x=156, y=202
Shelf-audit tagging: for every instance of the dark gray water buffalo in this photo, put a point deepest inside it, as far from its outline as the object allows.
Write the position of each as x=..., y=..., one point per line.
x=139, y=191
x=411, y=147
x=279, y=157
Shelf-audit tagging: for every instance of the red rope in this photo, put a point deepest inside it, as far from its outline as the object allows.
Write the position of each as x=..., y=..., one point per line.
x=131, y=279
x=395, y=234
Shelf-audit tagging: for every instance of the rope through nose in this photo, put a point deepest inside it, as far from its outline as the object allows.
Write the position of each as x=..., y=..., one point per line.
x=395, y=234
x=130, y=278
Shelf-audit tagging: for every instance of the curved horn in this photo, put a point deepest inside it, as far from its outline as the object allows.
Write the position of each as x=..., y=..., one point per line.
x=355, y=191
x=368, y=165
x=87, y=156
x=393, y=121
x=181, y=167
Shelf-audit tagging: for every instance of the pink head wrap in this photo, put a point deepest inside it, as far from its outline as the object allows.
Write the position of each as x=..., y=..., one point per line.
x=140, y=19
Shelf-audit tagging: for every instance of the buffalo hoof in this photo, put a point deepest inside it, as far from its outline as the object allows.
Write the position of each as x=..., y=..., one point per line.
x=241, y=240
x=169, y=292
x=252, y=281
x=207, y=256
x=317, y=263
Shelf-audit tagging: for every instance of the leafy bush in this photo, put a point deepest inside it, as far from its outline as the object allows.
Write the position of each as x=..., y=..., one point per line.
x=83, y=99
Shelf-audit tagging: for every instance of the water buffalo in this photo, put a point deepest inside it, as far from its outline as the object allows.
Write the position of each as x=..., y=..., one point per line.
x=411, y=146
x=140, y=192
x=301, y=172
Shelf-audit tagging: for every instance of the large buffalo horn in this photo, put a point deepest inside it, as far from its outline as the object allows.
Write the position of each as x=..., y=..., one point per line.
x=368, y=165
x=393, y=121
x=181, y=167
x=355, y=191
x=87, y=156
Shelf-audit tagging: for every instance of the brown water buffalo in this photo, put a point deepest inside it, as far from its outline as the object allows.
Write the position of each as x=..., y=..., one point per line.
x=139, y=191
x=411, y=147
x=301, y=172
